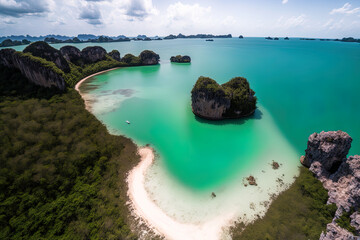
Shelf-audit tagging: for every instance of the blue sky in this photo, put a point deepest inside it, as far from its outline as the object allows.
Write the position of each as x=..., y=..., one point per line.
x=293, y=18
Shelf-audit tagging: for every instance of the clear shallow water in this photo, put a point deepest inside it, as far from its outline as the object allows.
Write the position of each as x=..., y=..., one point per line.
x=302, y=87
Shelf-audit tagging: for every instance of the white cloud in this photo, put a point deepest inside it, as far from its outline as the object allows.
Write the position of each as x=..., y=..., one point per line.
x=92, y=15
x=332, y=24
x=284, y=1
x=138, y=9
x=229, y=21
x=181, y=15
x=291, y=22
x=19, y=8
x=346, y=9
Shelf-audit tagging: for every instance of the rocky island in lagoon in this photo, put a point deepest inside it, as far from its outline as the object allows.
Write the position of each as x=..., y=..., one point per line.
x=234, y=99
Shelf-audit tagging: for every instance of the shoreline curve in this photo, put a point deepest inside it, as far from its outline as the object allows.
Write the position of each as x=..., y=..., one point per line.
x=155, y=219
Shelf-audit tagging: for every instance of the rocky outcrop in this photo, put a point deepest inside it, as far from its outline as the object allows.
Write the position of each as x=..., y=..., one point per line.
x=328, y=148
x=44, y=50
x=212, y=101
x=39, y=72
x=93, y=54
x=326, y=158
x=355, y=222
x=148, y=57
x=70, y=53
x=334, y=232
x=180, y=59
x=115, y=54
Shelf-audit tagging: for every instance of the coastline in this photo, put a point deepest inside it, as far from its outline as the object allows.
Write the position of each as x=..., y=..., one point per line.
x=159, y=221
x=147, y=211
x=144, y=208
x=77, y=86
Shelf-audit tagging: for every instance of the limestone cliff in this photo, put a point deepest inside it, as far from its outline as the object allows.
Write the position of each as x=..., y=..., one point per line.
x=70, y=53
x=93, y=54
x=180, y=59
x=233, y=99
x=44, y=50
x=326, y=158
x=148, y=57
x=115, y=54
x=37, y=70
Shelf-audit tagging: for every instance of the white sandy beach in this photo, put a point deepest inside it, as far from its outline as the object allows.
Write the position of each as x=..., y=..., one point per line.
x=77, y=86
x=156, y=218
x=177, y=214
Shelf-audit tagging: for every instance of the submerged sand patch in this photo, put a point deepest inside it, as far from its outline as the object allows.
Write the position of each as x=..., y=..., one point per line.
x=177, y=212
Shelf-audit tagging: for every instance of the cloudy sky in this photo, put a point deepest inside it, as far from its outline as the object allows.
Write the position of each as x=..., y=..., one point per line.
x=293, y=18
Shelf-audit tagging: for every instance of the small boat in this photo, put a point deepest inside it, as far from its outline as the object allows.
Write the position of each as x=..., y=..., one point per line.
x=209, y=40
x=127, y=122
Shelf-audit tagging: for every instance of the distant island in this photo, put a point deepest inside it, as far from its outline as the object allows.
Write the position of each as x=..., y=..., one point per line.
x=10, y=43
x=83, y=38
x=16, y=40
x=234, y=99
x=197, y=36
x=275, y=38
x=180, y=59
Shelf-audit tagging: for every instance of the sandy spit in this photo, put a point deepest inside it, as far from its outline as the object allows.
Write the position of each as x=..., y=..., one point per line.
x=156, y=218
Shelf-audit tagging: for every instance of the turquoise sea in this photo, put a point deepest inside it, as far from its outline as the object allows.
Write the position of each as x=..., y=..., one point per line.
x=302, y=87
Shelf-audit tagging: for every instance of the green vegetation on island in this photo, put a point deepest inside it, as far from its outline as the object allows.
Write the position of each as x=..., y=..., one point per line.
x=89, y=61
x=180, y=59
x=344, y=221
x=62, y=175
x=233, y=99
x=11, y=43
x=299, y=213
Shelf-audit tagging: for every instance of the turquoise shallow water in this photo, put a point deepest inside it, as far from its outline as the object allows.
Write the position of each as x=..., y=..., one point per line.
x=302, y=87
x=305, y=86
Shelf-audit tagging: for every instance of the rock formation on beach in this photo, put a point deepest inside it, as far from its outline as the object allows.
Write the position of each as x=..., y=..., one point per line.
x=326, y=158
x=251, y=180
x=234, y=99
x=44, y=50
x=180, y=59
x=148, y=57
x=36, y=70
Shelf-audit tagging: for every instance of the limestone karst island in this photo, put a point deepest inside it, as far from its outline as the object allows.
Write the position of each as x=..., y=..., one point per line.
x=179, y=120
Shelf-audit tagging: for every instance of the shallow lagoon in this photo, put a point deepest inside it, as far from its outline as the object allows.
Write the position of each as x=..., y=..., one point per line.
x=302, y=87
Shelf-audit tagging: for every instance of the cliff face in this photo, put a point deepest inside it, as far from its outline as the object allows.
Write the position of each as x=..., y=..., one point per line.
x=180, y=59
x=326, y=158
x=233, y=99
x=149, y=58
x=209, y=100
x=93, y=54
x=32, y=69
x=44, y=50
x=70, y=53
x=115, y=54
